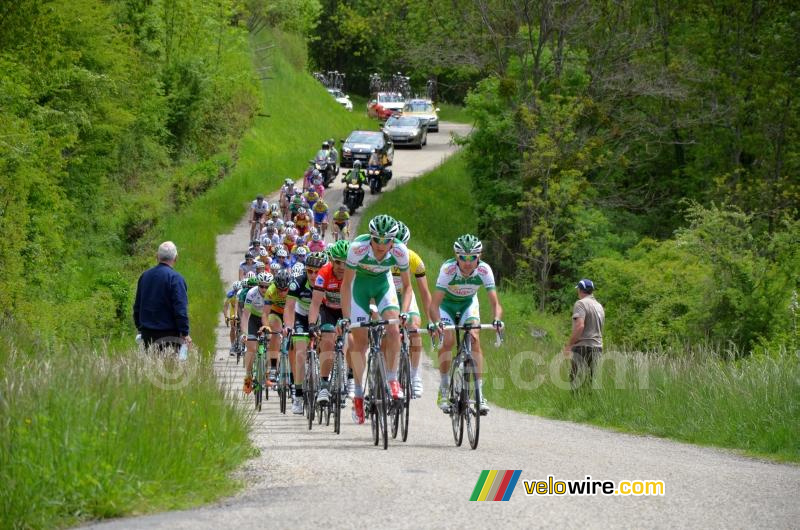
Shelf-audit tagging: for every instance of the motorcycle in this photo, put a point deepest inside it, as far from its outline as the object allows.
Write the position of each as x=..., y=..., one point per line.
x=378, y=177
x=323, y=166
x=353, y=195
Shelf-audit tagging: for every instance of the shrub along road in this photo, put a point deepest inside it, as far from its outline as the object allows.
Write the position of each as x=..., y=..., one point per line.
x=315, y=477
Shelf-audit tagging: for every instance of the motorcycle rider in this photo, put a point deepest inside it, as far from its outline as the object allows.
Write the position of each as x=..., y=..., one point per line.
x=356, y=176
x=333, y=155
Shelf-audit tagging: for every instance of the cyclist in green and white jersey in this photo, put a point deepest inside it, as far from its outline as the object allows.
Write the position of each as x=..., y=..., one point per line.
x=457, y=292
x=368, y=277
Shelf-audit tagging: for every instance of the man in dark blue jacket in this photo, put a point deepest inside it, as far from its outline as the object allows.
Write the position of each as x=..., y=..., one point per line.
x=161, y=309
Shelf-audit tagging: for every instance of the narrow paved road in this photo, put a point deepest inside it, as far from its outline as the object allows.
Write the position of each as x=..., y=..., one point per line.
x=307, y=478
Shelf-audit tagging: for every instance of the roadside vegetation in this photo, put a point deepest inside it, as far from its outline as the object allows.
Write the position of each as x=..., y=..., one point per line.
x=701, y=393
x=88, y=428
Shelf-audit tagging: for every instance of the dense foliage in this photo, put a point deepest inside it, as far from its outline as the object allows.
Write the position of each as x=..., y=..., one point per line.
x=112, y=113
x=604, y=127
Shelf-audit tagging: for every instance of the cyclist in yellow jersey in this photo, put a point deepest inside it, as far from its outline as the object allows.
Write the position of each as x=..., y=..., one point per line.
x=341, y=223
x=416, y=267
x=229, y=311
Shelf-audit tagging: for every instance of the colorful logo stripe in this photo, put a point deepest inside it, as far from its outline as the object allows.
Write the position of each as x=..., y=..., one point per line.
x=494, y=485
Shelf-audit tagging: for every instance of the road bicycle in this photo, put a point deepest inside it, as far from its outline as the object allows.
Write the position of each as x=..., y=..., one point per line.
x=238, y=343
x=260, y=387
x=464, y=393
x=377, y=395
x=399, y=413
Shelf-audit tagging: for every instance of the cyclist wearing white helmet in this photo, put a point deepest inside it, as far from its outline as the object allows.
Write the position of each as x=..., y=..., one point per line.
x=368, y=277
x=417, y=268
x=254, y=318
x=457, y=292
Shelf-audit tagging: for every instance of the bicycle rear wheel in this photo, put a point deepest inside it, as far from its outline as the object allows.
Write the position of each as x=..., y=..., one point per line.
x=456, y=403
x=472, y=398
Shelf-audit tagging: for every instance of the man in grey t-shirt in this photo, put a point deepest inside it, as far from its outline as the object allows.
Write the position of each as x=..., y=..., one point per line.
x=585, y=344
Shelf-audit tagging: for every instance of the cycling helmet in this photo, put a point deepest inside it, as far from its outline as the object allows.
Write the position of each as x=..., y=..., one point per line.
x=260, y=265
x=468, y=245
x=274, y=267
x=338, y=250
x=248, y=255
x=235, y=286
x=263, y=251
x=316, y=260
x=288, y=182
x=315, y=174
x=281, y=253
x=270, y=278
x=279, y=223
x=316, y=237
x=316, y=181
x=325, y=145
x=298, y=269
x=403, y=233
x=301, y=211
x=259, y=197
x=275, y=207
x=269, y=224
x=357, y=164
x=331, y=142
x=252, y=281
x=383, y=226
x=249, y=275
x=289, y=224
x=276, y=215
x=283, y=279
x=300, y=251
x=342, y=208
x=264, y=277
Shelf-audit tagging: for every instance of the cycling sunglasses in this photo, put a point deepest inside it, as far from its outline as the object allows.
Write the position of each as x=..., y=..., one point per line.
x=263, y=286
x=338, y=262
x=382, y=240
x=468, y=258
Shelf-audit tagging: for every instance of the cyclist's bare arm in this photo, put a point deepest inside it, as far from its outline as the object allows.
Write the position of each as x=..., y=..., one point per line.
x=316, y=300
x=497, y=309
x=408, y=291
x=347, y=283
x=425, y=294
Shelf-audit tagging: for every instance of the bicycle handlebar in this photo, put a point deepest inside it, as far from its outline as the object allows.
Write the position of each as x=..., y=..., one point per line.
x=374, y=323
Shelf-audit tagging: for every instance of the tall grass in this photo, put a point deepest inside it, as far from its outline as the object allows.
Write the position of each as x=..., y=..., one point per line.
x=85, y=434
x=89, y=434
x=692, y=394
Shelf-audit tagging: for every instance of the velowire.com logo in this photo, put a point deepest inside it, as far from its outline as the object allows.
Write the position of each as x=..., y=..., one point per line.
x=494, y=485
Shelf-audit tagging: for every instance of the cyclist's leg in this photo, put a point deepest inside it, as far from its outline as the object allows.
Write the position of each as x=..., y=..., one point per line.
x=328, y=319
x=415, y=348
x=359, y=312
x=389, y=308
x=275, y=324
x=253, y=325
x=472, y=314
x=298, y=354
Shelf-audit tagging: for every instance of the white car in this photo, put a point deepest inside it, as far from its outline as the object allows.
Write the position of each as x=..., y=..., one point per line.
x=341, y=98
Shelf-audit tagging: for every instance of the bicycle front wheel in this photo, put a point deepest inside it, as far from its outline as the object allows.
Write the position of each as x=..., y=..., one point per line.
x=259, y=382
x=472, y=397
x=283, y=383
x=336, y=393
x=405, y=403
x=456, y=403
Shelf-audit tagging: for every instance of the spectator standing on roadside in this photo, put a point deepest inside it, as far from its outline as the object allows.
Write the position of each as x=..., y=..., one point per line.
x=161, y=309
x=585, y=344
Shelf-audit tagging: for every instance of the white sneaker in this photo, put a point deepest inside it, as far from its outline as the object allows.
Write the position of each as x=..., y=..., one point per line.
x=416, y=387
x=297, y=405
x=323, y=396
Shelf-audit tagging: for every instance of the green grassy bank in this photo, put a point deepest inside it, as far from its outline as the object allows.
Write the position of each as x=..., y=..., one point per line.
x=88, y=434
x=751, y=404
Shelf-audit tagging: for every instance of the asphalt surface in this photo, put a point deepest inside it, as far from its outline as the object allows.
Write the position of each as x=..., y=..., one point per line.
x=315, y=478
